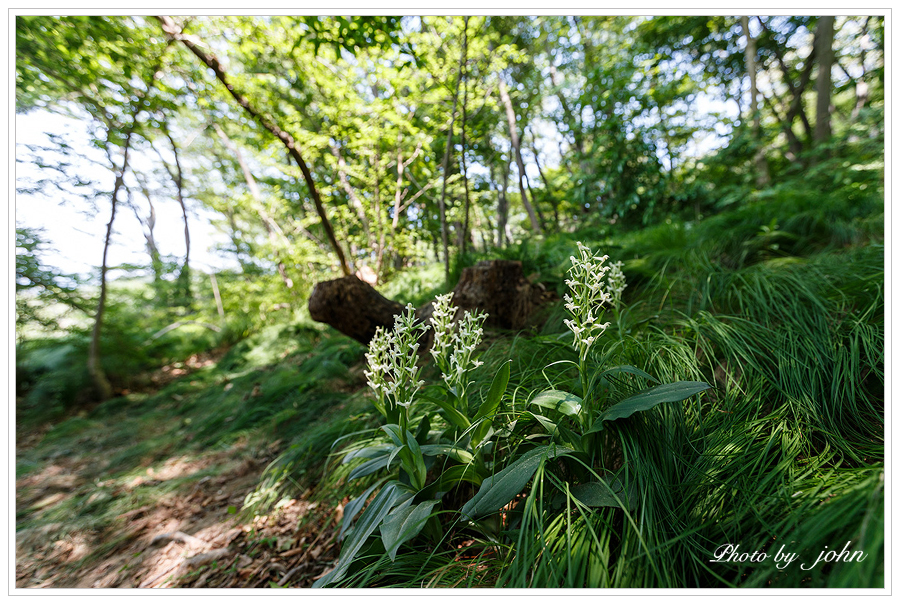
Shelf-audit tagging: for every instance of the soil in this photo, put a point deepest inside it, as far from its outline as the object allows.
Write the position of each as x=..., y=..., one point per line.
x=191, y=537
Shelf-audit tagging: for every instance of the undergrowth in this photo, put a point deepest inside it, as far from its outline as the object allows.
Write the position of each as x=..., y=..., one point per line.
x=779, y=305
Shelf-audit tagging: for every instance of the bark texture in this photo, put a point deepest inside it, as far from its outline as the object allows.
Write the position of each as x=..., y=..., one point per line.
x=496, y=287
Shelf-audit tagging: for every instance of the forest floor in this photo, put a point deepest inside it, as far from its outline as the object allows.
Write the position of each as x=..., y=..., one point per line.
x=189, y=538
x=132, y=507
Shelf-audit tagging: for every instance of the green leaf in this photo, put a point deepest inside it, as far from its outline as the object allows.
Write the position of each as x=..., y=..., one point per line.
x=647, y=399
x=502, y=487
x=393, y=430
x=392, y=495
x=565, y=403
x=368, y=452
x=403, y=524
x=451, y=413
x=548, y=425
x=373, y=465
x=452, y=477
x=353, y=508
x=423, y=429
x=459, y=454
x=417, y=458
x=498, y=387
x=598, y=494
x=629, y=369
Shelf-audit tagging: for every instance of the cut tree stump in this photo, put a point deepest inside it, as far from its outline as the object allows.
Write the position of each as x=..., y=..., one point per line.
x=352, y=306
x=496, y=287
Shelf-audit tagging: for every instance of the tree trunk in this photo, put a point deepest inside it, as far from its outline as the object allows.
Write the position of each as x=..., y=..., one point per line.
x=462, y=155
x=156, y=265
x=825, y=58
x=796, y=90
x=762, y=169
x=496, y=287
x=547, y=186
x=446, y=161
x=514, y=139
x=184, y=278
x=172, y=30
x=351, y=194
x=95, y=369
x=379, y=220
x=503, y=205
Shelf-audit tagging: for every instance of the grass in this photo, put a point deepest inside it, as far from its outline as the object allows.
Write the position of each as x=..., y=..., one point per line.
x=778, y=304
x=290, y=386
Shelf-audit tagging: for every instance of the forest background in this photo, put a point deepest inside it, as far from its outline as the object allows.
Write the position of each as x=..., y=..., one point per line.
x=735, y=165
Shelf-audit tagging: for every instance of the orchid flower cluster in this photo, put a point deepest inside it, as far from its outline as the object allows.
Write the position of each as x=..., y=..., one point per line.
x=392, y=356
x=616, y=282
x=586, y=282
x=453, y=348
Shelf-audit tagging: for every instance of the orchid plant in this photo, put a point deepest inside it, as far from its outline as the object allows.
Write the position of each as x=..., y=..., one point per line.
x=404, y=505
x=576, y=422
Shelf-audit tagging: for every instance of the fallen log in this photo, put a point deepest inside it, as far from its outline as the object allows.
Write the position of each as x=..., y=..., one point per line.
x=496, y=287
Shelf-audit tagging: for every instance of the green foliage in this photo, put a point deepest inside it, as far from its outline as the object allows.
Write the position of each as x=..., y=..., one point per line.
x=603, y=460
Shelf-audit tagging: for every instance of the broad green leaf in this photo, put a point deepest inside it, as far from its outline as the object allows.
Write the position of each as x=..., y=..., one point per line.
x=453, y=476
x=353, y=508
x=565, y=403
x=548, y=425
x=417, y=458
x=423, y=429
x=393, y=430
x=403, y=524
x=392, y=495
x=368, y=452
x=491, y=403
x=667, y=393
x=373, y=465
x=631, y=370
x=502, y=487
x=458, y=453
x=451, y=413
x=498, y=387
x=598, y=494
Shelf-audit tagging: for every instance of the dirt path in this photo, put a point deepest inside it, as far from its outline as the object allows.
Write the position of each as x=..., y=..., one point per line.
x=189, y=537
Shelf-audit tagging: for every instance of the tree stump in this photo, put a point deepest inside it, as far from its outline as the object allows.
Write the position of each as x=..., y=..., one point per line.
x=353, y=307
x=496, y=287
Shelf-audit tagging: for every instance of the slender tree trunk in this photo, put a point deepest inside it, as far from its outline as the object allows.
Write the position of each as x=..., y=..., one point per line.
x=796, y=90
x=172, y=30
x=95, y=369
x=514, y=139
x=794, y=143
x=825, y=58
x=379, y=221
x=762, y=169
x=273, y=231
x=215, y=287
x=464, y=238
x=184, y=278
x=446, y=162
x=503, y=205
x=150, y=225
x=547, y=186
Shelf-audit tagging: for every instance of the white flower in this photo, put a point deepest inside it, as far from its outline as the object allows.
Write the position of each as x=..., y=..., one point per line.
x=585, y=305
x=616, y=283
x=392, y=356
x=454, y=345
